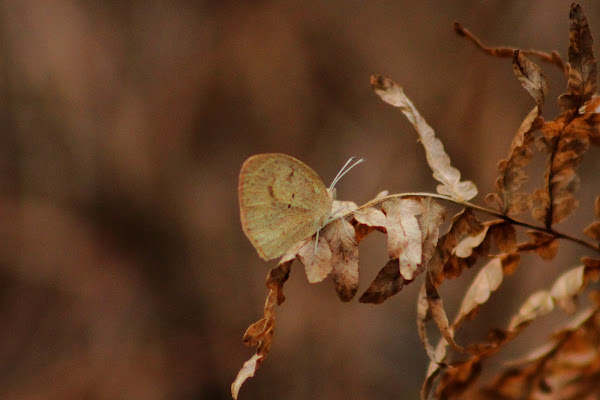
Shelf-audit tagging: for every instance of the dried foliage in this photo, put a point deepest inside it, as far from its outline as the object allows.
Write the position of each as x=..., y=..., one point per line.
x=486, y=238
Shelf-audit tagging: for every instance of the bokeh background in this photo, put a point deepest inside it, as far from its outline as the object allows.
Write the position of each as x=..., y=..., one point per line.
x=124, y=272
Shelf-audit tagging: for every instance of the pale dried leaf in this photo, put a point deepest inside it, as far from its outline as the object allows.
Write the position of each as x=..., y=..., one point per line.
x=465, y=247
x=344, y=257
x=316, y=264
x=538, y=304
x=438, y=160
x=487, y=281
x=404, y=234
x=247, y=371
x=430, y=219
x=370, y=216
x=531, y=77
x=381, y=194
x=568, y=284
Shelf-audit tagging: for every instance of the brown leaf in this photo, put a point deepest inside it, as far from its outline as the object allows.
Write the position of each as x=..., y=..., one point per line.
x=438, y=160
x=275, y=280
x=505, y=236
x=339, y=235
x=512, y=175
x=531, y=77
x=260, y=333
x=593, y=230
x=387, y=283
x=582, y=74
x=545, y=245
x=487, y=280
x=566, y=143
x=464, y=223
x=597, y=207
x=592, y=268
x=510, y=262
x=404, y=234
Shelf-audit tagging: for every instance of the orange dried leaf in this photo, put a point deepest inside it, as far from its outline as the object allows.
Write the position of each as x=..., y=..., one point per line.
x=510, y=262
x=597, y=207
x=438, y=160
x=505, y=236
x=387, y=283
x=545, y=245
x=593, y=230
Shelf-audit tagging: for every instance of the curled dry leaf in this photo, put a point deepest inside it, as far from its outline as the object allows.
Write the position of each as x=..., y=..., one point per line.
x=438, y=314
x=438, y=160
x=387, y=283
x=423, y=316
x=464, y=223
x=247, y=371
x=260, y=334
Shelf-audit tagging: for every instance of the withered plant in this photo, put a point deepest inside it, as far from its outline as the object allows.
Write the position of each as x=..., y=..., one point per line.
x=568, y=365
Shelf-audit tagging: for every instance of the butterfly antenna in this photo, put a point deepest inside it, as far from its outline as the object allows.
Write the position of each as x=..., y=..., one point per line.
x=344, y=170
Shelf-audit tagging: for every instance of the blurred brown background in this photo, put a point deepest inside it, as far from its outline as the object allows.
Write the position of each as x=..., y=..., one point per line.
x=124, y=272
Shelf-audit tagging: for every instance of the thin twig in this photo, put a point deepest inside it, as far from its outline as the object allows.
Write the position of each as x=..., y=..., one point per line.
x=484, y=210
x=507, y=52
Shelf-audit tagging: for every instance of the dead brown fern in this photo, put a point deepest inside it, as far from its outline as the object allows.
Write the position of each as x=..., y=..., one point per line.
x=568, y=366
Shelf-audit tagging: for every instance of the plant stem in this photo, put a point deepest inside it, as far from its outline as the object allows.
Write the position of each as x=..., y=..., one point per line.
x=510, y=220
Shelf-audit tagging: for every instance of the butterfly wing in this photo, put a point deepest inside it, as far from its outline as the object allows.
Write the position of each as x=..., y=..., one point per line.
x=282, y=201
